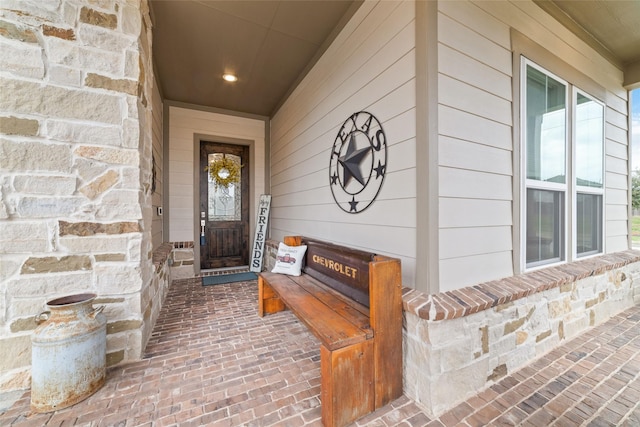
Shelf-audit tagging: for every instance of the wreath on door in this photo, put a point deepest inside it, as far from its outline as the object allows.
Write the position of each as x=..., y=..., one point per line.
x=224, y=172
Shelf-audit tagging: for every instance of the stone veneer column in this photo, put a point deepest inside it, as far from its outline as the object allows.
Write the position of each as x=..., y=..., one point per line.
x=75, y=169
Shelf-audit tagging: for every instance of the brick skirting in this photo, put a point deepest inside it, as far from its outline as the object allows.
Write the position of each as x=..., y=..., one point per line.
x=472, y=299
x=458, y=343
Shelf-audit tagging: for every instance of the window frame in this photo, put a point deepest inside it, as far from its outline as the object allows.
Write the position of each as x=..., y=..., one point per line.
x=570, y=189
x=578, y=189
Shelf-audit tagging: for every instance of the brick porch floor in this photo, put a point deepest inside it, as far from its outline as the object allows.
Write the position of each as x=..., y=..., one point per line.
x=212, y=361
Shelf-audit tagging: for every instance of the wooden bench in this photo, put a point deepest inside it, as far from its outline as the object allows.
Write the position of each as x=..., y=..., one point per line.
x=351, y=301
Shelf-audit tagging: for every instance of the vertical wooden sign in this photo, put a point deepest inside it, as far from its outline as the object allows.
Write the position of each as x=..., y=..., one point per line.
x=257, y=254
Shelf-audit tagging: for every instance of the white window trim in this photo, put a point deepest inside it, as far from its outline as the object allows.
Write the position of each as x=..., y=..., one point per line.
x=575, y=188
x=535, y=184
x=570, y=188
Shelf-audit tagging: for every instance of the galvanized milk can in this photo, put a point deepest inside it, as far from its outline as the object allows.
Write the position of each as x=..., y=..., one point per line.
x=69, y=347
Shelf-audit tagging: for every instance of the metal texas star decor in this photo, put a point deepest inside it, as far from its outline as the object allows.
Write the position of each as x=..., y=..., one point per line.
x=358, y=162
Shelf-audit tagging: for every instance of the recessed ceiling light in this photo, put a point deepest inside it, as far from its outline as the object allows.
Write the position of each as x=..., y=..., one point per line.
x=230, y=77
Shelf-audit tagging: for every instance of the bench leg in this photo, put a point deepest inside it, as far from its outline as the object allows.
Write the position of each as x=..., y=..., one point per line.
x=347, y=387
x=268, y=301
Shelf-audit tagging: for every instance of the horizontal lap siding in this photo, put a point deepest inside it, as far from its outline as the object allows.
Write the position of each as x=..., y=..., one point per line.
x=616, y=178
x=616, y=169
x=471, y=241
x=461, y=154
x=315, y=155
x=370, y=66
x=475, y=146
x=475, y=119
x=355, y=39
x=475, y=269
x=469, y=127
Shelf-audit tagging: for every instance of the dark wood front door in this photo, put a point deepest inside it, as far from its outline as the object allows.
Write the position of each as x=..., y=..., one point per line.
x=224, y=211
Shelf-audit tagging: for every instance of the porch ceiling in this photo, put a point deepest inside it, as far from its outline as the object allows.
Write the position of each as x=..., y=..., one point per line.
x=611, y=27
x=270, y=44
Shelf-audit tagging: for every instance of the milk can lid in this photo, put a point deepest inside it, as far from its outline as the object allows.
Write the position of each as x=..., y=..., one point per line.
x=71, y=299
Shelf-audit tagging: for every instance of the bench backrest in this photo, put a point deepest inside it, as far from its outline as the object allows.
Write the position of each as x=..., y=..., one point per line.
x=376, y=282
x=343, y=269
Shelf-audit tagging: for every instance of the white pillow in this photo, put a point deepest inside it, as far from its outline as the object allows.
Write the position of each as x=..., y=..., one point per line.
x=289, y=259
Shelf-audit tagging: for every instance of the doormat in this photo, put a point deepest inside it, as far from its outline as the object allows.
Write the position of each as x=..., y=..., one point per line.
x=228, y=278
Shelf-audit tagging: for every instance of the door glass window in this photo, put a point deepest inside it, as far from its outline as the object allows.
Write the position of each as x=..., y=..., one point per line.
x=224, y=202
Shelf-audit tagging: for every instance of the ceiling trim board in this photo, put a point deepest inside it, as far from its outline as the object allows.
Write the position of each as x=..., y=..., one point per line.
x=208, y=109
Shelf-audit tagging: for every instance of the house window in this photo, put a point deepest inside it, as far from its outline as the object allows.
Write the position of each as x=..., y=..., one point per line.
x=563, y=145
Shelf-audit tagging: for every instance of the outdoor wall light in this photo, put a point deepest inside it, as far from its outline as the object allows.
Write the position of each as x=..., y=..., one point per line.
x=230, y=77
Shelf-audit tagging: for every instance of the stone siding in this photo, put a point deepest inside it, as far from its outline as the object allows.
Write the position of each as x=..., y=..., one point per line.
x=182, y=259
x=458, y=343
x=75, y=171
x=159, y=287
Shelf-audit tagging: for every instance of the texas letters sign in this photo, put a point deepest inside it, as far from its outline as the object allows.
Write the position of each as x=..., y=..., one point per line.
x=257, y=255
x=358, y=162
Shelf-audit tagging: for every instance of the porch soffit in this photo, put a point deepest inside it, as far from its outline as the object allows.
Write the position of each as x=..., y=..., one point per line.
x=612, y=28
x=271, y=44
x=268, y=44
